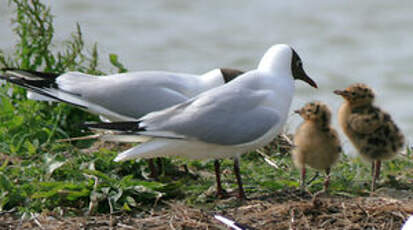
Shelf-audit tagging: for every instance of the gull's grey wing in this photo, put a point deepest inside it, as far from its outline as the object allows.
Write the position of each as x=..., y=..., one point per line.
x=225, y=116
x=135, y=101
x=118, y=97
x=131, y=94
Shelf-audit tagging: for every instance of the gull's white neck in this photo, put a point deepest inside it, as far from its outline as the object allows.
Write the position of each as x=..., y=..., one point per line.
x=284, y=92
x=211, y=79
x=276, y=63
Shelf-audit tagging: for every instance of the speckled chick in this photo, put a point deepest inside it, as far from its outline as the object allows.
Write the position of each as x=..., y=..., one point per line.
x=316, y=142
x=371, y=130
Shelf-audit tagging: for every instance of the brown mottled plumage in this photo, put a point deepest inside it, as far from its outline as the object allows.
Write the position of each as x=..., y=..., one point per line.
x=316, y=142
x=371, y=130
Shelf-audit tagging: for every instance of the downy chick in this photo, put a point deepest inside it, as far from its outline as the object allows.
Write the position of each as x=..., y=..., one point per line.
x=371, y=130
x=316, y=142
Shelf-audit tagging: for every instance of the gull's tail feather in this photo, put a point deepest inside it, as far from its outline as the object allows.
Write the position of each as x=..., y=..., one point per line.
x=125, y=130
x=38, y=97
x=43, y=85
x=146, y=150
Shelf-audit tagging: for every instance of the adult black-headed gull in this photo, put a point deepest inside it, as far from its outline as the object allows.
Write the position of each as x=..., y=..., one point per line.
x=119, y=97
x=226, y=121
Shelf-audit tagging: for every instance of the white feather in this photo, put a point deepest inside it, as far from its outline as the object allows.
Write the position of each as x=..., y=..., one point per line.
x=227, y=222
x=142, y=150
x=409, y=224
x=125, y=138
x=38, y=97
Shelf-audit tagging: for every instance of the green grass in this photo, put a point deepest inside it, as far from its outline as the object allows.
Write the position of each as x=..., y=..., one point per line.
x=39, y=174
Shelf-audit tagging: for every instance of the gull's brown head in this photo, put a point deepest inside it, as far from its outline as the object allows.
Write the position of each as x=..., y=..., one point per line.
x=229, y=74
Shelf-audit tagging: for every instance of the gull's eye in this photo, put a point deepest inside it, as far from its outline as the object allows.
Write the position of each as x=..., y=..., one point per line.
x=299, y=63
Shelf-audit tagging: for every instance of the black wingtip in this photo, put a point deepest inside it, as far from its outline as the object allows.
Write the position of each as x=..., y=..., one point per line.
x=123, y=126
x=4, y=77
x=44, y=75
x=30, y=79
x=8, y=69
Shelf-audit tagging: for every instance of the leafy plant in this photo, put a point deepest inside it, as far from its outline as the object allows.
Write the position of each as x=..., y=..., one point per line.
x=29, y=129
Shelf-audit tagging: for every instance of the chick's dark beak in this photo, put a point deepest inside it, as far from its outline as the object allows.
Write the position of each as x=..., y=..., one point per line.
x=340, y=92
x=297, y=111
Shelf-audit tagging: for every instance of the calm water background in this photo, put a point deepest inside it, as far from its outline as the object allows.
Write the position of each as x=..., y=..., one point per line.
x=340, y=42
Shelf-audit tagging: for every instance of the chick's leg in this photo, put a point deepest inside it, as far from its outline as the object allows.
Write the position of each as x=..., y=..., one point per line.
x=376, y=174
x=302, y=179
x=326, y=180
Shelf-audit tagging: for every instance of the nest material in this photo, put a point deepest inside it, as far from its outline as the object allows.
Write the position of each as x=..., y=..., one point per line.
x=282, y=144
x=282, y=210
